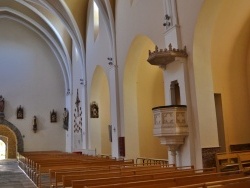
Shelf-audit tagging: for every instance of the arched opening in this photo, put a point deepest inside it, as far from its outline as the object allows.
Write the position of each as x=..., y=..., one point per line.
x=3, y=149
x=11, y=139
x=99, y=124
x=143, y=88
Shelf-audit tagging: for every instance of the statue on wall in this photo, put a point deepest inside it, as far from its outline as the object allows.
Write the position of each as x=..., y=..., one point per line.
x=66, y=119
x=1, y=106
x=34, y=124
x=53, y=117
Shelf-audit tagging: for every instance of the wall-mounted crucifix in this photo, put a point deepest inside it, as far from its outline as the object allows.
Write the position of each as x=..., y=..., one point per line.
x=77, y=103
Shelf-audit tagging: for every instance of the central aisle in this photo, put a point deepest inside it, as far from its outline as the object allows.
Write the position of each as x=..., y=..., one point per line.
x=11, y=176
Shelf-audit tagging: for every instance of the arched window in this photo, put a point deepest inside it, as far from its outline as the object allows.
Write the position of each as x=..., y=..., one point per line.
x=2, y=150
x=96, y=19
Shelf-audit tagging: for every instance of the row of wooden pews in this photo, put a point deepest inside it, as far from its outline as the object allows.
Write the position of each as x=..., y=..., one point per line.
x=38, y=165
x=81, y=171
x=151, y=181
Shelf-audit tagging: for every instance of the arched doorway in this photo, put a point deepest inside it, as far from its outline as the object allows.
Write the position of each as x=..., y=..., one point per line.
x=12, y=139
x=3, y=148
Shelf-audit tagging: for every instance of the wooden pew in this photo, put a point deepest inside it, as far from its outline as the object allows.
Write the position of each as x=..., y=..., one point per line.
x=43, y=170
x=244, y=160
x=232, y=161
x=23, y=157
x=67, y=179
x=227, y=162
x=57, y=175
x=39, y=163
x=243, y=182
x=163, y=183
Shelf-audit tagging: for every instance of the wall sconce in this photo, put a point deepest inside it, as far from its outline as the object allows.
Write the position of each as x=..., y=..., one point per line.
x=68, y=92
x=34, y=124
x=168, y=21
x=110, y=61
x=82, y=82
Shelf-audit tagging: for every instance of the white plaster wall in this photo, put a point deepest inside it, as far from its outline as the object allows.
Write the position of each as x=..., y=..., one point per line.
x=79, y=84
x=97, y=52
x=175, y=71
x=30, y=76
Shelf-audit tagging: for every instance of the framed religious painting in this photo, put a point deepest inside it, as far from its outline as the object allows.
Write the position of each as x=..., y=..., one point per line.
x=94, y=110
x=19, y=112
x=53, y=117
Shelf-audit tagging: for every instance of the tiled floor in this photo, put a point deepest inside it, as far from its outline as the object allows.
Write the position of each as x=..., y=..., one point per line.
x=11, y=176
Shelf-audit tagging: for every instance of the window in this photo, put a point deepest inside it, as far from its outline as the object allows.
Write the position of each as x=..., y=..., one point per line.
x=96, y=20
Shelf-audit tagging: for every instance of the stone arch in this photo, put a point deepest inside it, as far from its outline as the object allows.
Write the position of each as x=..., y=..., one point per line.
x=15, y=140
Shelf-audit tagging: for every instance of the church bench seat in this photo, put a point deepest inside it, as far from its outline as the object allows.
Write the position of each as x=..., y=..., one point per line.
x=232, y=161
x=166, y=182
x=227, y=162
x=242, y=182
x=39, y=163
x=122, y=170
x=244, y=160
x=43, y=170
x=126, y=176
x=67, y=179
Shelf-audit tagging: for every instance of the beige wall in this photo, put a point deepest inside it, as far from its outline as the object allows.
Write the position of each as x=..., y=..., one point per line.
x=233, y=81
x=143, y=90
x=150, y=93
x=99, y=134
x=223, y=31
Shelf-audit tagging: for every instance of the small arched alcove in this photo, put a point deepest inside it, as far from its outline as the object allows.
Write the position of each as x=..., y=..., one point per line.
x=12, y=138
